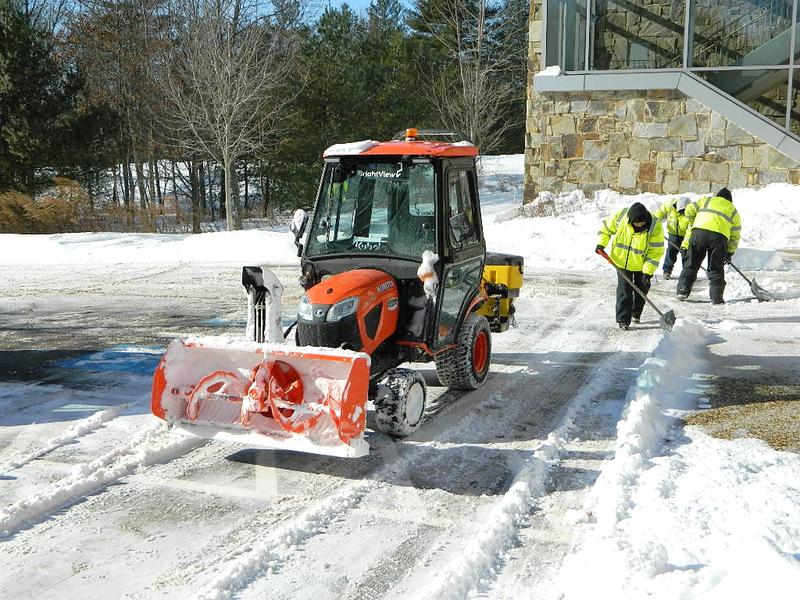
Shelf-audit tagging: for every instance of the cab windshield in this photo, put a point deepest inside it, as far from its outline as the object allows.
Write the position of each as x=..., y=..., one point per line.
x=375, y=208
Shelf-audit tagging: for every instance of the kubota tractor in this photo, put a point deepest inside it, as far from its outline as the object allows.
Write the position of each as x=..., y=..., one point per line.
x=395, y=270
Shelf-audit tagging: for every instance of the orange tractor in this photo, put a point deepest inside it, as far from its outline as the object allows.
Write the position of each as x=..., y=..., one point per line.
x=395, y=270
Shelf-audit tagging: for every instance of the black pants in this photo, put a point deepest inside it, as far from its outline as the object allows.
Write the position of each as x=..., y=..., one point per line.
x=715, y=246
x=629, y=303
x=672, y=253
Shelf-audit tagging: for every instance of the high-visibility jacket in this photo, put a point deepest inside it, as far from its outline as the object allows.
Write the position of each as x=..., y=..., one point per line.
x=714, y=214
x=677, y=224
x=630, y=250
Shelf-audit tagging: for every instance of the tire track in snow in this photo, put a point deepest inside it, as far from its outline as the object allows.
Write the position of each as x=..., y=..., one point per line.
x=483, y=553
x=483, y=556
x=78, y=430
x=149, y=446
x=277, y=548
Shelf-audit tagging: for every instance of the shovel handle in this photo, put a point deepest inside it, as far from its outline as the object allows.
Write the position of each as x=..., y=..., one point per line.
x=674, y=245
x=630, y=282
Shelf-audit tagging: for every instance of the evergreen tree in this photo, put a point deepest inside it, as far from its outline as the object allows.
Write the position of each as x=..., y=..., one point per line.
x=34, y=98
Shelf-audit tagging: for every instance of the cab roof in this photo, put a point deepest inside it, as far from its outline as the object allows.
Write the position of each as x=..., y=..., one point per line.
x=403, y=148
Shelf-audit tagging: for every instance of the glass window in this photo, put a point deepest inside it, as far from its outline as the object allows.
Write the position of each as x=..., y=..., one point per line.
x=741, y=33
x=458, y=281
x=637, y=34
x=762, y=90
x=566, y=26
x=366, y=208
x=461, y=216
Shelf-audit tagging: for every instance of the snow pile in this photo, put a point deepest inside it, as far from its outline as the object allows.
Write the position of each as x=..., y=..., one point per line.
x=275, y=247
x=350, y=148
x=551, y=71
x=560, y=231
x=664, y=526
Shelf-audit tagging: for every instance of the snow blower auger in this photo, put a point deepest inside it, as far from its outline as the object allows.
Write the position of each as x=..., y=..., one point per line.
x=395, y=270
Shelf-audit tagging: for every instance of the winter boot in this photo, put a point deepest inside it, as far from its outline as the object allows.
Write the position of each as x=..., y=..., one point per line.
x=636, y=319
x=667, y=275
x=624, y=326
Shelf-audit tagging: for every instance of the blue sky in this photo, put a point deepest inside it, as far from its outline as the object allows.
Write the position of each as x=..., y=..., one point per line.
x=357, y=5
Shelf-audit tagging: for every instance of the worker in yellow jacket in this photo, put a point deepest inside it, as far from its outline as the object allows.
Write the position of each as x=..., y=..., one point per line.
x=673, y=212
x=715, y=229
x=636, y=251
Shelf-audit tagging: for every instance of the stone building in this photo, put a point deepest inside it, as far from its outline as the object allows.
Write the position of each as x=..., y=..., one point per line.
x=662, y=96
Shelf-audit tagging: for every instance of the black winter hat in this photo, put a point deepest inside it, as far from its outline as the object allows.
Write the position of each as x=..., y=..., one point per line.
x=638, y=212
x=725, y=193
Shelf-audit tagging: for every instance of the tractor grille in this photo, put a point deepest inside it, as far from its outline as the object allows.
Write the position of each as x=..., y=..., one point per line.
x=330, y=335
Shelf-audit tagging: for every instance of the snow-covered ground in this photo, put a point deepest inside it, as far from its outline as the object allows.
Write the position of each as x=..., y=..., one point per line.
x=570, y=474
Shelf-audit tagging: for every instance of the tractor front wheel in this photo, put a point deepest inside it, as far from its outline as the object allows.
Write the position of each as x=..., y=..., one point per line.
x=466, y=366
x=400, y=401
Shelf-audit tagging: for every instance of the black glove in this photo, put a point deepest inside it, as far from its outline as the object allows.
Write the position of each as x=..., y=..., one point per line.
x=646, y=279
x=683, y=253
x=728, y=258
x=599, y=249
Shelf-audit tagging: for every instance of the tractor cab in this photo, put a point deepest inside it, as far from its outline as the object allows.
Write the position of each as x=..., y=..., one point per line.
x=382, y=206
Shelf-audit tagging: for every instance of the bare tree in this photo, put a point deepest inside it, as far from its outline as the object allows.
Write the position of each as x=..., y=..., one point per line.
x=473, y=96
x=226, y=83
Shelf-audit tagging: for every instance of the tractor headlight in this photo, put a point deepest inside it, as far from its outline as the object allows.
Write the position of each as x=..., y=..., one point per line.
x=342, y=309
x=305, y=312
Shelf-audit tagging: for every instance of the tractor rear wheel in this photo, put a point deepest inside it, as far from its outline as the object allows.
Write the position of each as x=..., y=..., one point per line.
x=400, y=401
x=466, y=366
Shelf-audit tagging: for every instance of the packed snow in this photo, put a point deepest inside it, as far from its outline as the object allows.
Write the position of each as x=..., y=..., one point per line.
x=569, y=475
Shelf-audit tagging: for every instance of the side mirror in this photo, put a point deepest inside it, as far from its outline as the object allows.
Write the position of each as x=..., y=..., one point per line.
x=298, y=227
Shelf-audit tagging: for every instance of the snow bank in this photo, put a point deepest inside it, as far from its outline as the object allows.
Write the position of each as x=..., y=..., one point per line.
x=241, y=247
x=664, y=526
x=560, y=231
x=556, y=232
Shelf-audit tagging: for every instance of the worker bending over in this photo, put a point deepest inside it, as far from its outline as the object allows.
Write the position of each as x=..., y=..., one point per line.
x=673, y=212
x=714, y=232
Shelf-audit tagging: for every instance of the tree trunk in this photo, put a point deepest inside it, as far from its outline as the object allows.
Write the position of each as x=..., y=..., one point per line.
x=211, y=193
x=232, y=219
x=175, y=194
x=140, y=183
x=126, y=188
x=151, y=180
x=246, y=190
x=114, y=194
x=158, y=185
x=223, y=192
x=195, y=184
x=202, y=179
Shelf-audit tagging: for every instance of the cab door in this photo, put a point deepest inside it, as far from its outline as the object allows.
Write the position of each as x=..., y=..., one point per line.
x=463, y=247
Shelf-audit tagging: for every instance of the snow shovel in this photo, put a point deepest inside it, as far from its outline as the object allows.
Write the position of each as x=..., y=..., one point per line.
x=760, y=293
x=666, y=319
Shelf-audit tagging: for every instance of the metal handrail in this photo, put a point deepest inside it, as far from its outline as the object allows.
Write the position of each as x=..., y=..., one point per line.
x=735, y=35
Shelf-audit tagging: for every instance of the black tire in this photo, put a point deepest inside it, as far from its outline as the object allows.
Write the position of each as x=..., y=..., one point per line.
x=399, y=409
x=457, y=368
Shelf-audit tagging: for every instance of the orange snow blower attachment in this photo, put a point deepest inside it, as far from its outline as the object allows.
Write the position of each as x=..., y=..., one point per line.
x=265, y=395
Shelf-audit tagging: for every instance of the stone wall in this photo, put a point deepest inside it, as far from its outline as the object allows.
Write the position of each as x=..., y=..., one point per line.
x=656, y=141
